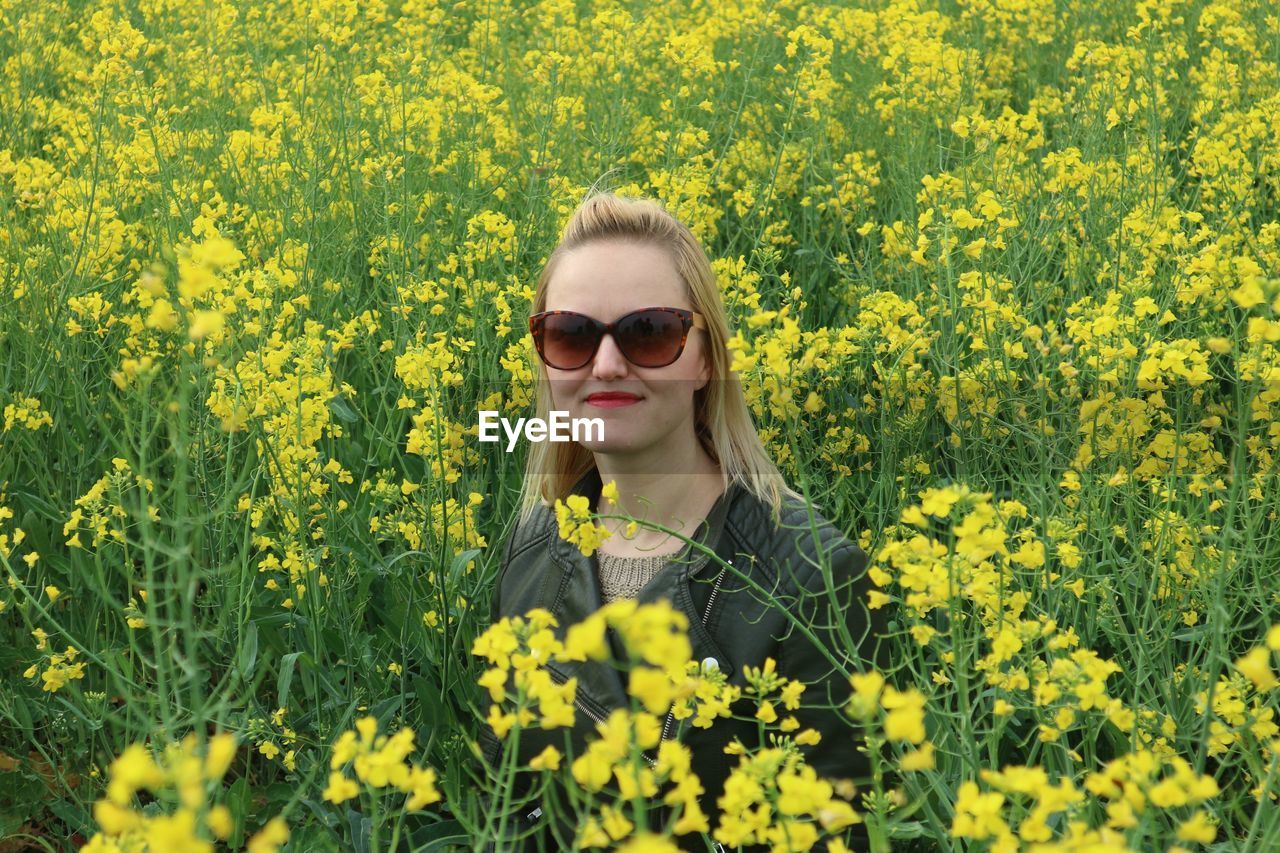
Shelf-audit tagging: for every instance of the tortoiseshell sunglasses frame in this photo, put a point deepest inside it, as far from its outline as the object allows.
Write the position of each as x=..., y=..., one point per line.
x=690, y=320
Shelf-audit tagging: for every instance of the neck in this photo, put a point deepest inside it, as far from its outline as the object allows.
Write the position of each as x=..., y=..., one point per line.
x=676, y=494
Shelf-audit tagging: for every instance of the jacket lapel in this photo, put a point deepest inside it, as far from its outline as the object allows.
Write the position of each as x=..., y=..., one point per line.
x=578, y=596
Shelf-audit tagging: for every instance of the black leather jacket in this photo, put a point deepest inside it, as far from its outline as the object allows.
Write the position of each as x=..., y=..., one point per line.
x=730, y=626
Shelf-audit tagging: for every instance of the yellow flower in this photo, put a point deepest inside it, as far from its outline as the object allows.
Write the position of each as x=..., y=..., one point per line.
x=586, y=639
x=221, y=751
x=809, y=737
x=115, y=819
x=653, y=688
x=548, y=759
x=422, y=783
x=647, y=842
x=495, y=681
x=202, y=324
x=938, y=502
x=576, y=526
x=922, y=634
x=1256, y=666
x=500, y=723
x=905, y=718
x=919, y=759
x=790, y=694
x=977, y=815
x=270, y=837
x=866, y=693
x=592, y=835
x=609, y=492
x=340, y=788
x=220, y=821
x=132, y=770
x=615, y=823
x=175, y=832
x=593, y=769
x=1168, y=793
x=1198, y=828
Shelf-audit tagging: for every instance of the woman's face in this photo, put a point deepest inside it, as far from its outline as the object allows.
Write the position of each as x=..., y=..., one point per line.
x=606, y=280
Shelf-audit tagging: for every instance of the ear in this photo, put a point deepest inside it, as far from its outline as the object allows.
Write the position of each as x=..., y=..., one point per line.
x=704, y=375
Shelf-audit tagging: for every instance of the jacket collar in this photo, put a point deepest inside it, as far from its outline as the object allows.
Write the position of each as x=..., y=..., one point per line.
x=709, y=533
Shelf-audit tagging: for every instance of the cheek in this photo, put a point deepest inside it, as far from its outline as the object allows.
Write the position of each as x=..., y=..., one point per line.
x=556, y=392
x=562, y=393
x=677, y=398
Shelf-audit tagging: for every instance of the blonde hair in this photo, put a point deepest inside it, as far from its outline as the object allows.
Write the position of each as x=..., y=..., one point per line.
x=722, y=421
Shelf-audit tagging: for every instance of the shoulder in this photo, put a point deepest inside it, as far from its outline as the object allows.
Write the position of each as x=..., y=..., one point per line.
x=530, y=530
x=796, y=543
x=530, y=533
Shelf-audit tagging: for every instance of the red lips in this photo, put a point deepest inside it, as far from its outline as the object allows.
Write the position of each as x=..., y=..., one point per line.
x=612, y=398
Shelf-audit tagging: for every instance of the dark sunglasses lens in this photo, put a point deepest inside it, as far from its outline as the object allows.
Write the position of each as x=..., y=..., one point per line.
x=567, y=341
x=651, y=338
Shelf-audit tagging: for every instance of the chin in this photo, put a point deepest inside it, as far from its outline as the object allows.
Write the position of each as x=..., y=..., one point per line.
x=609, y=448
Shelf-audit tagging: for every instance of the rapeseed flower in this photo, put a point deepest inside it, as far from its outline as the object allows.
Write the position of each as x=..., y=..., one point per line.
x=576, y=525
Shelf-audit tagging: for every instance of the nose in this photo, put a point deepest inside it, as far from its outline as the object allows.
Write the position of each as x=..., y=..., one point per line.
x=609, y=363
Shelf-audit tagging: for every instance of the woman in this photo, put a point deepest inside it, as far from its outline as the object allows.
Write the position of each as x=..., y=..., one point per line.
x=629, y=327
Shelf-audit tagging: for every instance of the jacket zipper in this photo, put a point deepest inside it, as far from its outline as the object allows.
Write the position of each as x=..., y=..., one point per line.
x=705, y=613
x=560, y=679
x=556, y=677
x=666, y=726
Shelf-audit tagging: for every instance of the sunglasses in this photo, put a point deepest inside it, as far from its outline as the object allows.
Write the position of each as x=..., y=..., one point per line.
x=650, y=337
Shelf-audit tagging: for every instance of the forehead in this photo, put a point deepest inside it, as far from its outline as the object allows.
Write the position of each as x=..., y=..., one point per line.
x=608, y=279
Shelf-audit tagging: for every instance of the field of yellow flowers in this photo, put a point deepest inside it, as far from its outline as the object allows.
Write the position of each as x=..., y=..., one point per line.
x=1005, y=276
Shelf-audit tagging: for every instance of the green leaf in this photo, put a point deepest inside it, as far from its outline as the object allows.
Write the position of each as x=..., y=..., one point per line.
x=439, y=836
x=75, y=817
x=430, y=706
x=382, y=710
x=342, y=410
x=23, y=714
x=286, y=678
x=248, y=656
x=361, y=828
x=459, y=564
x=19, y=802
x=237, y=802
x=322, y=810
x=907, y=829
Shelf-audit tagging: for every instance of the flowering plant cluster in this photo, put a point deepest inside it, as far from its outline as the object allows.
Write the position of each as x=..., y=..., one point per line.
x=770, y=796
x=379, y=761
x=188, y=775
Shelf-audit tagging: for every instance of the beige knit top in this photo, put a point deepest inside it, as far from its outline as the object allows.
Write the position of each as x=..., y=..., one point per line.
x=624, y=577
